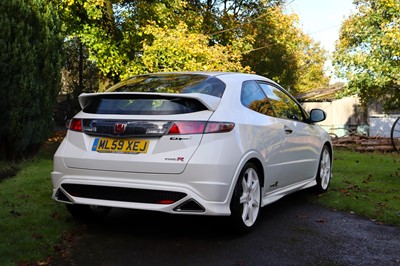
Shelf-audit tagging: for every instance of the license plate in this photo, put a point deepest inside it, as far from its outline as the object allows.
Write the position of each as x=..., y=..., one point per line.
x=110, y=145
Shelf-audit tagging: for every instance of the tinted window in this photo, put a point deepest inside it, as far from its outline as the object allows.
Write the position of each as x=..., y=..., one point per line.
x=172, y=83
x=283, y=105
x=253, y=97
x=141, y=105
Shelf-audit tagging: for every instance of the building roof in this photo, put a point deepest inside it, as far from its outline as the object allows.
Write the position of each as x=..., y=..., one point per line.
x=320, y=95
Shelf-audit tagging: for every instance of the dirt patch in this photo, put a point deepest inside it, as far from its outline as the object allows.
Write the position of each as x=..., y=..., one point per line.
x=8, y=171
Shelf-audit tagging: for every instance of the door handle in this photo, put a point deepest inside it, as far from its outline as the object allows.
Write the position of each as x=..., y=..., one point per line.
x=288, y=130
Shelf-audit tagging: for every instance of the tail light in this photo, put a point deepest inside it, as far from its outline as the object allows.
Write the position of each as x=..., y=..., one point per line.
x=150, y=128
x=219, y=127
x=199, y=127
x=75, y=125
x=187, y=127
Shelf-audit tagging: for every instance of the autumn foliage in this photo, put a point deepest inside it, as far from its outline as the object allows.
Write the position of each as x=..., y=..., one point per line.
x=134, y=37
x=368, y=52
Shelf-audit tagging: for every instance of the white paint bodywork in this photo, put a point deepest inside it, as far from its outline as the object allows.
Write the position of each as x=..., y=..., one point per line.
x=212, y=162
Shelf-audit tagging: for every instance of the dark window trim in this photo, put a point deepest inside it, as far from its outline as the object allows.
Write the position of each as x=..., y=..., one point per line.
x=262, y=91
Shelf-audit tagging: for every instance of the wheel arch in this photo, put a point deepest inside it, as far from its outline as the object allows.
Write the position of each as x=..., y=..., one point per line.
x=324, y=172
x=329, y=145
x=246, y=200
x=254, y=157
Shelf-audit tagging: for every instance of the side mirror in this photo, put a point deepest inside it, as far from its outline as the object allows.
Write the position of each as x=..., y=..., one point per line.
x=317, y=115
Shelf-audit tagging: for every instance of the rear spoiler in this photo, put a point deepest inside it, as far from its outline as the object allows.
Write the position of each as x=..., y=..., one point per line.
x=210, y=102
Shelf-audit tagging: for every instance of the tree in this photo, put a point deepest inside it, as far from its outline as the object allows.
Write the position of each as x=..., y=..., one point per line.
x=30, y=66
x=227, y=20
x=368, y=52
x=79, y=74
x=120, y=36
x=284, y=53
x=112, y=30
x=311, y=60
x=178, y=50
x=94, y=24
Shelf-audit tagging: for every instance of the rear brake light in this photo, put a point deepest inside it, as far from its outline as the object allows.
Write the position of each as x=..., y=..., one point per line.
x=75, y=125
x=199, y=127
x=187, y=127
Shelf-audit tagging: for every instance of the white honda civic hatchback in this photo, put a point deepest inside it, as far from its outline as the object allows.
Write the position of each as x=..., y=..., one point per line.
x=201, y=143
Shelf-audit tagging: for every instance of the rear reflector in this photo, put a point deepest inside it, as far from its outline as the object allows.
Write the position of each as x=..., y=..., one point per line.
x=165, y=201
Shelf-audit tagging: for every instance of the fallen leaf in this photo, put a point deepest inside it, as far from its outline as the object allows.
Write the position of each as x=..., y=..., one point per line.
x=44, y=262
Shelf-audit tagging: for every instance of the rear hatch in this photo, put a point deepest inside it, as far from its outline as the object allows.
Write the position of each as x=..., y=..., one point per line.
x=141, y=132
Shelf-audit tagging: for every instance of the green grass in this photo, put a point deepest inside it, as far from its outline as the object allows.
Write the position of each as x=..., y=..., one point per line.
x=367, y=184
x=32, y=226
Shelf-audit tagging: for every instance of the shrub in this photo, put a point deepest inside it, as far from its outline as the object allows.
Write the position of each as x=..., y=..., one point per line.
x=30, y=66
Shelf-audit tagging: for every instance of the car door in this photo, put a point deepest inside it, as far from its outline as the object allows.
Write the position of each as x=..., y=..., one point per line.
x=298, y=157
x=267, y=136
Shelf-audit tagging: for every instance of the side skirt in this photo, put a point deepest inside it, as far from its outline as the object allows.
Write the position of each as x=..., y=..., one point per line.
x=279, y=193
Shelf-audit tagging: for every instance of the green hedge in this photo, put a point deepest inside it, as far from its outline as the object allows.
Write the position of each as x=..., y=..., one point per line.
x=30, y=67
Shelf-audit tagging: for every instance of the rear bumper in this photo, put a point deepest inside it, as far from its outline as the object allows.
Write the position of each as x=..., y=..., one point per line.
x=195, y=191
x=206, y=183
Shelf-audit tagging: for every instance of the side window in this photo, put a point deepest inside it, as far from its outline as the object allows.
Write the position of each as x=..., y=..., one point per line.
x=283, y=105
x=253, y=98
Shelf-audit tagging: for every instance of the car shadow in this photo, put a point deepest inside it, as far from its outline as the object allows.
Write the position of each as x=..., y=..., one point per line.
x=138, y=222
x=153, y=238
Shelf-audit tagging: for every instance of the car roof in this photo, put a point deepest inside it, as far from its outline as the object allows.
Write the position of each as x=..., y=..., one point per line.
x=217, y=74
x=207, y=73
x=210, y=73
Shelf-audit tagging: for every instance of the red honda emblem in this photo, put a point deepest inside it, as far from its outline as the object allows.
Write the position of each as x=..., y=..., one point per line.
x=119, y=128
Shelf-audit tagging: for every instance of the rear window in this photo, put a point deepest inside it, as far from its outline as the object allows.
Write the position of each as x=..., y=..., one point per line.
x=126, y=104
x=172, y=83
x=155, y=104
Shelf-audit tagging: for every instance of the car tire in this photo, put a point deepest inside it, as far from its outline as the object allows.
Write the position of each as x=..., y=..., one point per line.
x=324, y=173
x=87, y=213
x=246, y=199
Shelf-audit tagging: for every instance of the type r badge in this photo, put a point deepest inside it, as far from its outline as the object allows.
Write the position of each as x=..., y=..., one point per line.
x=177, y=159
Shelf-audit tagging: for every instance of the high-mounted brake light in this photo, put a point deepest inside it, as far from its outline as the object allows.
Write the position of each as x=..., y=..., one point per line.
x=199, y=127
x=75, y=125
